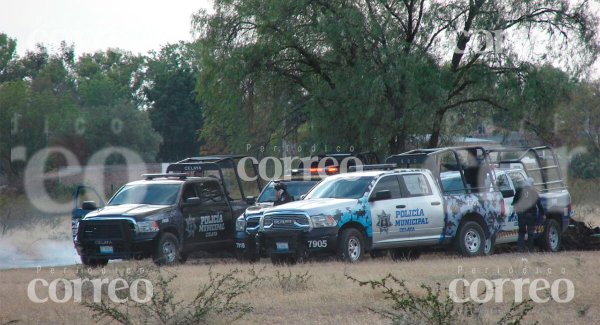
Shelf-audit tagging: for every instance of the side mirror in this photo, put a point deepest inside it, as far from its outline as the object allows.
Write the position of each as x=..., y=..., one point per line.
x=302, y=196
x=507, y=193
x=89, y=205
x=382, y=195
x=192, y=201
x=250, y=200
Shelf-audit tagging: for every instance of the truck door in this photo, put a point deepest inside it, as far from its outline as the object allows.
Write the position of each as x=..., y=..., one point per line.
x=216, y=220
x=383, y=212
x=505, y=183
x=423, y=212
x=191, y=211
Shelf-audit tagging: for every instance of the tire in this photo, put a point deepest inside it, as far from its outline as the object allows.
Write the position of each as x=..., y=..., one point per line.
x=405, y=254
x=470, y=240
x=489, y=246
x=551, y=238
x=351, y=248
x=166, y=251
x=94, y=262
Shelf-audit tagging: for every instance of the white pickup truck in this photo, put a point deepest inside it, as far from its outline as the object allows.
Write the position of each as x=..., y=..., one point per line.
x=379, y=210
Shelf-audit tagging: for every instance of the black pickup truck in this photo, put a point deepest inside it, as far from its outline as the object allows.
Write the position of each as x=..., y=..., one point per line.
x=166, y=216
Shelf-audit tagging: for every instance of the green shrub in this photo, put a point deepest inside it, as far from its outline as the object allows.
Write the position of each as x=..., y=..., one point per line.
x=435, y=307
x=585, y=165
x=216, y=299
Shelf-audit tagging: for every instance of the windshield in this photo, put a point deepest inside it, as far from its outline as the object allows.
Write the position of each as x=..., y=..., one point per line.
x=154, y=194
x=294, y=188
x=341, y=188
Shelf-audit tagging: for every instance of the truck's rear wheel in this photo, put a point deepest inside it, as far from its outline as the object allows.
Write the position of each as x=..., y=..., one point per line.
x=94, y=262
x=551, y=238
x=166, y=251
x=352, y=245
x=471, y=239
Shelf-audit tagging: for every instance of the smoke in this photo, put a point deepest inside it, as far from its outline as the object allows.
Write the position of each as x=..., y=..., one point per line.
x=41, y=245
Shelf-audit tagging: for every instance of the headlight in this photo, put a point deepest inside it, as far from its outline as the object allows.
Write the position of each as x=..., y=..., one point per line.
x=240, y=224
x=147, y=226
x=323, y=221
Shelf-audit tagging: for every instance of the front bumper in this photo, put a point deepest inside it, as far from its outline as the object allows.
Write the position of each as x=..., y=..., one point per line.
x=112, y=239
x=319, y=241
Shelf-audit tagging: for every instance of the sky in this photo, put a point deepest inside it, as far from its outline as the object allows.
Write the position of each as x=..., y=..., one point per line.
x=133, y=25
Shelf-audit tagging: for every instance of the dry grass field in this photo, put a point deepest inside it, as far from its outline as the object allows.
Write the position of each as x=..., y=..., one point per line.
x=328, y=297
x=325, y=297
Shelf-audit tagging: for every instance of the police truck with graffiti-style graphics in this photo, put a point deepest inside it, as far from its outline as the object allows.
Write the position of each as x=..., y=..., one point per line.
x=395, y=210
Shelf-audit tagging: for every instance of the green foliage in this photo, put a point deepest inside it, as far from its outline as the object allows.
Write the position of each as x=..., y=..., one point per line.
x=585, y=166
x=169, y=89
x=217, y=299
x=371, y=75
x=293, y=282
x=435, y=307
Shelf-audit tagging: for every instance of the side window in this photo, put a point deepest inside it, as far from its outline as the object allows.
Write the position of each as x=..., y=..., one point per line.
x=188, y=192
x=502, y=183
x=209, y=192
x=416, y=185
x=389, y=183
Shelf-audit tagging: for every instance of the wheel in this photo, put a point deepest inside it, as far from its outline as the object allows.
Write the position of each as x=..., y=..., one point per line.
x=352, y=246
x=166, y=251
x=94, y=262
x=489, y=246
x=405, y=254
x=470, y=240
x=551, y=238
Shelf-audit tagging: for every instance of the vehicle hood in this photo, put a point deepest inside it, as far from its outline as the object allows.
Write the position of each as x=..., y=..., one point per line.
x=258, y=209
x=136, y=211
x=317, y=206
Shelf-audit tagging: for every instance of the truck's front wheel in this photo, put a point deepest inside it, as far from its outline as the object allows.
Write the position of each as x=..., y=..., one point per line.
x=352, y=245
x=471, y=239
x=551, y=239
x=166, y=251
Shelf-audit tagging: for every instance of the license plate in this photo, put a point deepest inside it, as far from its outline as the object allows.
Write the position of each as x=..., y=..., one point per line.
x=282, y=246
x=106, y=249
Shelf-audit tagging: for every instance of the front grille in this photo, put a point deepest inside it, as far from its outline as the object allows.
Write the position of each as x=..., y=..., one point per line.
x=103, y=230
x=287, y=221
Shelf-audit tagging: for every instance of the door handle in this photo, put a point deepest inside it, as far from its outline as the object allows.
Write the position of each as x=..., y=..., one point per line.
x=402, y=206
x=435, y=203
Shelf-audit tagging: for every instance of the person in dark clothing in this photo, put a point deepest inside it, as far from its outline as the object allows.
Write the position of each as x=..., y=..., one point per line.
x=281, y=194
x=528, y=208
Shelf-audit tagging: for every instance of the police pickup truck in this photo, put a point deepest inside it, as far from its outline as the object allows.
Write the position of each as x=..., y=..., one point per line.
x=378, y=210
x=164, y=216
x=513, y=167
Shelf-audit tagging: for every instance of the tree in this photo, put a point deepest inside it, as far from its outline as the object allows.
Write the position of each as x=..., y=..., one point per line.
x=354, y=66
x=169, y=90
